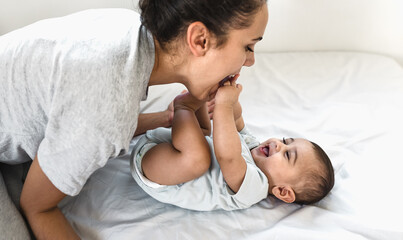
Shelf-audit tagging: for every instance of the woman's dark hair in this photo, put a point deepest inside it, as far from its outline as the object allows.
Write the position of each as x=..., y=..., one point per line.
x=317, y=183
x=168, y=19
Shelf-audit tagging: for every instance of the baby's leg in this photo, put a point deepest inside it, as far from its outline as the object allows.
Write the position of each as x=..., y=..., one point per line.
x=188, y=157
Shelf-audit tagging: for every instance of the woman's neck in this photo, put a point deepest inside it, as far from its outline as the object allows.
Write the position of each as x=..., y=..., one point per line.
x=167, y=67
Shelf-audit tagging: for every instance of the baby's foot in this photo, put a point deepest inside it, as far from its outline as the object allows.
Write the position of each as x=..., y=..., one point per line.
x=187, y=101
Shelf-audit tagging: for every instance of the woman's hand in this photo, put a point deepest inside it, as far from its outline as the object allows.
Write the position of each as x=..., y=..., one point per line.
x=170, y=113
x=148, y=121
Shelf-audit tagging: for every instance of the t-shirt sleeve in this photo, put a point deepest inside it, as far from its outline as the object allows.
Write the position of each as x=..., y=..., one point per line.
x=87, y=125
x=94, y=97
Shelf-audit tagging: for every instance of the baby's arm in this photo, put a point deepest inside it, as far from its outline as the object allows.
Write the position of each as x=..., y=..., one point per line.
x=239, y=122
x=227, y=145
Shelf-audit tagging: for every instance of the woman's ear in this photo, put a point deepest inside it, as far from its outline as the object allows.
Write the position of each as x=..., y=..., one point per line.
x=198, y=38
x=284, y=193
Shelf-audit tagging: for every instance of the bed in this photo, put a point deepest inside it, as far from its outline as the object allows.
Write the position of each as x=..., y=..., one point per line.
x=329, y=71
x=350, y=103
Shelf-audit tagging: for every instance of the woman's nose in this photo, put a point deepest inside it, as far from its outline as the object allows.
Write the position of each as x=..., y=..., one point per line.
x=250, y=59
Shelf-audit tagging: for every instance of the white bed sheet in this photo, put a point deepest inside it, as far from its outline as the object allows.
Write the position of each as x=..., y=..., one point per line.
x=349, y=103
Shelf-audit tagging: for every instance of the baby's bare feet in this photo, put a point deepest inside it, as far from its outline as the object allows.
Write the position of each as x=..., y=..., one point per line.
x=187, y=101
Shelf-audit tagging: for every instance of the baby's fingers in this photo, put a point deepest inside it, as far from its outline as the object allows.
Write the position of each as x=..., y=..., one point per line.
x=239, y=88
x=211, y=102
x=210, y=107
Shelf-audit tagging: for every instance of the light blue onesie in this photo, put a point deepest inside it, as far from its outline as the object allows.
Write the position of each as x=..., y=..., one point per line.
x=210, y=191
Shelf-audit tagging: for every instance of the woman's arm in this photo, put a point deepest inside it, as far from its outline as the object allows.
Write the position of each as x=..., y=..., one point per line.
x=39, y=199
x=148, y=121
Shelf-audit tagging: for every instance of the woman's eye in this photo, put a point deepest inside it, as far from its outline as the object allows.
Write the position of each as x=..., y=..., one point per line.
x=249, y=49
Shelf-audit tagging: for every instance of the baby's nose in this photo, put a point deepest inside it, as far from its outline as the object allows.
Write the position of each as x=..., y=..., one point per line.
x=279, y=145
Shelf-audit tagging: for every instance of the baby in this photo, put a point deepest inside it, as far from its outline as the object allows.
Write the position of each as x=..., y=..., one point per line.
x=230, y=170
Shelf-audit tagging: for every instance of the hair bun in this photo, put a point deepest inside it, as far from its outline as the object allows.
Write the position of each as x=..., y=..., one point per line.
x=168, y=19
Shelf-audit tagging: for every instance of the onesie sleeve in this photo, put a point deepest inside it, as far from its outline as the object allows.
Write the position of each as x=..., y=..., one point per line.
x=249, y=139
x=254, y=187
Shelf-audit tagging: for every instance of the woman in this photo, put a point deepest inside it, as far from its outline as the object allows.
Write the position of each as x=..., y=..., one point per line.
x=72, y=88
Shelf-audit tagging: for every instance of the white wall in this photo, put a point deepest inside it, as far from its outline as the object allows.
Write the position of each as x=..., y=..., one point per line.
x=18, y=13
x=374, y=26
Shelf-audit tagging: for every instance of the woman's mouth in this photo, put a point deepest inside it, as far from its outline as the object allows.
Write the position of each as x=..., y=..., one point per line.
x=228, y=78
x=232, y=77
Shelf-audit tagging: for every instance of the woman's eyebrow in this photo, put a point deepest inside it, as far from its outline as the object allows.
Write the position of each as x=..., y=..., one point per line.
x=257, y=39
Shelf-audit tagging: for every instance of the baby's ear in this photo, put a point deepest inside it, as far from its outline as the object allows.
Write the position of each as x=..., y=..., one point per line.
x=284, y=193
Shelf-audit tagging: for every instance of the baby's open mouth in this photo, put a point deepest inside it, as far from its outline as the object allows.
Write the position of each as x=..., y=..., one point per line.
x=265, y=150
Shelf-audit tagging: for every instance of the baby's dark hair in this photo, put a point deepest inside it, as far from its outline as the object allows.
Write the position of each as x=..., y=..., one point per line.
x=316, y=183
x=168, y=19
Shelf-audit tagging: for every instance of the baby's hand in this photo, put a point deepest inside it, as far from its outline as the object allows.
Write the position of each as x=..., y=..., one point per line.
x=228, y=94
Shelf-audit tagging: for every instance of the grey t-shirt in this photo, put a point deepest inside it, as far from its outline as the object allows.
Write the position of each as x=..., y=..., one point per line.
x=70, y=90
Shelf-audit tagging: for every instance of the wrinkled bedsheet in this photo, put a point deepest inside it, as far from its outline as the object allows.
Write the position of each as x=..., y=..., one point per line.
x=349, y=103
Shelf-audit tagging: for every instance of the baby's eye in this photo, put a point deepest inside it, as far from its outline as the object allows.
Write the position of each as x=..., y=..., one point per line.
x=286, y=153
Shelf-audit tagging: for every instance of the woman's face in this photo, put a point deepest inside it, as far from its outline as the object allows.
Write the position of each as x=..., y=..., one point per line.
x=228, y=59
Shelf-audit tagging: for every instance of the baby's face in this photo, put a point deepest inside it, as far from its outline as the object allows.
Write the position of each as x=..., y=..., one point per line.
x=283, y=160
